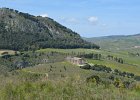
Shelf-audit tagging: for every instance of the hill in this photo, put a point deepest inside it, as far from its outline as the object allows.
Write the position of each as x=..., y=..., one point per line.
x=52, y=77
x=120, y=42
x=22, y=31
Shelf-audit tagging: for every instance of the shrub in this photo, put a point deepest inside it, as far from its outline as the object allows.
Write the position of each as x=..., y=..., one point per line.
x=126, y=84
x=111, y=77
x=93, y=78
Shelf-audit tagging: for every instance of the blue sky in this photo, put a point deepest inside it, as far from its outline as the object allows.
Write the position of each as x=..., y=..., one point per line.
x=90, y=18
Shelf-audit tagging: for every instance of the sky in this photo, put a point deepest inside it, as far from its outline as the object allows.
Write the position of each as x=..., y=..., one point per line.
x=89, y=18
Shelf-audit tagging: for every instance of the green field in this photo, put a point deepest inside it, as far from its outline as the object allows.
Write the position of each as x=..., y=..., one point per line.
x=40, y=59
x=56, y=70
x=132, y=64
x=61, y=80
x=24, y=86
x=116, y=43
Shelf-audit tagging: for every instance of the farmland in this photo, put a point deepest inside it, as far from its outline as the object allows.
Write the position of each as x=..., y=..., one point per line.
x=131, y=64
x=64, y=79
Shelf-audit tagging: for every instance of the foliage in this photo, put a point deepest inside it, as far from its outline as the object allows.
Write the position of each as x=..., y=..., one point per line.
x=119, y=60
x=65, y=80
x=85, y=66
x=22, y=31
x=70, y=88
x=28, y=59
x=103, y=68
x=91, y=56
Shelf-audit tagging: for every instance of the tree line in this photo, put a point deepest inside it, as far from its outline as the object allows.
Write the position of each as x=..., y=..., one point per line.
x=91, y=56
x=104, y=68
x=119, y=60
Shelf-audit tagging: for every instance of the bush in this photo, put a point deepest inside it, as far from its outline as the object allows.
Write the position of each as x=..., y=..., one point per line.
x=101, y=68
x=93, y=78
x=111, y=77
x=126, y=84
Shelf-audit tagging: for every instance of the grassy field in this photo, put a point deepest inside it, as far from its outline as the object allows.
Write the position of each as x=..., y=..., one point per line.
x=115, y=65
x=61, y=84
x=65, y=81
x=132, y=64
x=59, y=70
x=63, y=89
x=115, y=43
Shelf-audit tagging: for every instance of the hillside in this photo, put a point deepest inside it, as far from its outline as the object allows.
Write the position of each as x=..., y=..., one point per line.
x=22, y=31
x=120, y=42
x=50, y=76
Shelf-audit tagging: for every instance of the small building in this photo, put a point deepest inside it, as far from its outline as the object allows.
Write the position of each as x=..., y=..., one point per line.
x=76, y=60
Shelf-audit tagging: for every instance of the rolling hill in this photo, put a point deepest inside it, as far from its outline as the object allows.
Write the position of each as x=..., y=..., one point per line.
x=120, y=42
x=22, y=31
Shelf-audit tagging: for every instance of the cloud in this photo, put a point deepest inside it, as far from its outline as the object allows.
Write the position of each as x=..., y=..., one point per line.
x=44, y=15
x=93, y=20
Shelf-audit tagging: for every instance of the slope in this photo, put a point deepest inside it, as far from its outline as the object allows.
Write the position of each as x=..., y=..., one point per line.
x=121, y=42
x=22, y=31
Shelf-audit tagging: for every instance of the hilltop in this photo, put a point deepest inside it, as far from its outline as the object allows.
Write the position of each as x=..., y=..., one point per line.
x=22, y=31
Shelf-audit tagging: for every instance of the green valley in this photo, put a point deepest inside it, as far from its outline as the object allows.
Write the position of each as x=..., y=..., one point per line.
x=41, y=59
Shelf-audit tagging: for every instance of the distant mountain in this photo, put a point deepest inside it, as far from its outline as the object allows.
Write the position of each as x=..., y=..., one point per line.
x=22, y=31
x=117, y=42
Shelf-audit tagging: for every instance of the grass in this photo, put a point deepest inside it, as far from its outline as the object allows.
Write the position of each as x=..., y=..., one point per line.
x=57, y=70
x=18, y=86
x=132, y=64
x=115, y=65
x=67, y=81
x=72, y=88
x=117, y=43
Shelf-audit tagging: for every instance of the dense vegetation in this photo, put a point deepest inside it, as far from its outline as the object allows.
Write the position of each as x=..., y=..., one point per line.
x=114, y=73
x=91, y=56
x=29, y=59
x=119, y=60
x=22, y=31
x=25, y=88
